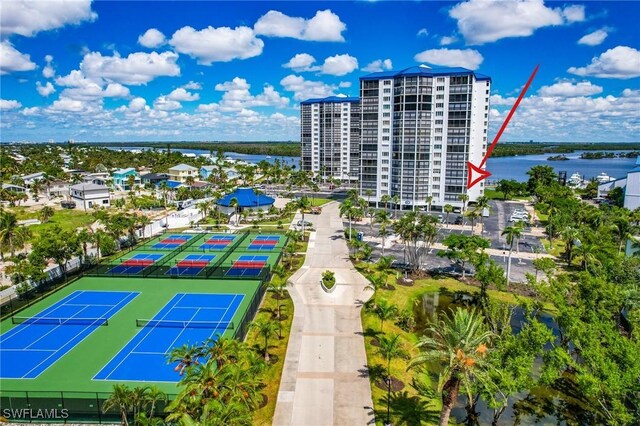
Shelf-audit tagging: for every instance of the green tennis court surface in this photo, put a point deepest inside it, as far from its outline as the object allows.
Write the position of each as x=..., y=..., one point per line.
x=76, y=369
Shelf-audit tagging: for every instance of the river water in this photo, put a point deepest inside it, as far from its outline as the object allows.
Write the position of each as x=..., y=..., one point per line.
x=500, y=167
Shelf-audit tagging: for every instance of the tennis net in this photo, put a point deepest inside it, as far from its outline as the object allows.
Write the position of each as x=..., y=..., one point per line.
x=59, y=321
x=228, y=325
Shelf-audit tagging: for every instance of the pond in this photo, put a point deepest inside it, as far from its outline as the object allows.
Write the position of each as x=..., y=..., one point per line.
x=542, y=405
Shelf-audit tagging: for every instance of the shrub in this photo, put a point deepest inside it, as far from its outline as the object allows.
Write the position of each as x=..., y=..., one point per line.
x=329, y=279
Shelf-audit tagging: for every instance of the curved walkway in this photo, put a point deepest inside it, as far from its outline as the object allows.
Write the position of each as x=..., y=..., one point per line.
x=324, y=381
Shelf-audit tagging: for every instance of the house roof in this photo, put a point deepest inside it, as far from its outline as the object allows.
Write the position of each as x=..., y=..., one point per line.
x=246, y=197
x=183, y=167
x=88, y=187
x=208, y=168
x=124, y=171
x=10, y=186
x=425, y=71
x=155, y=176
x=33, y=175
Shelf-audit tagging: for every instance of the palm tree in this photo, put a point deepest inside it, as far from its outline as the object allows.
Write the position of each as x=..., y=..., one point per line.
x=120, y=398
x=464, y=198
x=347, y=209
x=385, y=311
x=189, y=181
x=512, y=234
x=186, y=356
x=448, y=208
x=587, y=253
x=303, y=204
x=84, y=238
x=46, y=213
x=459, y=340
x=429, y=201
x=386, y=199
x=481, y=204
x=22, y=237
x=267, y=329
x=164, y=189
x=143, y=221
x=153, y=396
x=9, y=225
x=396, y=202
x=279, y=288
x=570, y=237
x=390, y=348
x=234, y=203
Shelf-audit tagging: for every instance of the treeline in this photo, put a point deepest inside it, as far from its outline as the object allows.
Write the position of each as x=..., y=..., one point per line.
x=285, y=149
x=529, y=148
x=600, y=155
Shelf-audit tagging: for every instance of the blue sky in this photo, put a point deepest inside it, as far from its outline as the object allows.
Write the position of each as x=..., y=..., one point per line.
x=122, y=70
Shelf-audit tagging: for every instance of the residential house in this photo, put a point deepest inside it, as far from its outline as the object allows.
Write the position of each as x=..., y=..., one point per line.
x=13, y=188
x=206, y=171
x=58, y=188
x=121, y=178
x=97, y=178
x=90, y=195
x=29, y=179
x=181, y=172
x=154, y=178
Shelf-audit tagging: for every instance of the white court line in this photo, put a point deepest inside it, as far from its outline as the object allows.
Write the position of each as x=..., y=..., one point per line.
x=149, y=329
x=106, y=314
x=4, y=337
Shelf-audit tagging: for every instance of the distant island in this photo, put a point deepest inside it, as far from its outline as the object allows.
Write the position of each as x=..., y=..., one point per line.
x=560, y=157
x=600, y=155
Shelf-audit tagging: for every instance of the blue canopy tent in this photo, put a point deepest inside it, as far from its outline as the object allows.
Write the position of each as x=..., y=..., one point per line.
x=247, y=199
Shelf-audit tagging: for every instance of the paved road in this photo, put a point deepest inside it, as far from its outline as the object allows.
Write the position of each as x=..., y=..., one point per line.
x=324, y=380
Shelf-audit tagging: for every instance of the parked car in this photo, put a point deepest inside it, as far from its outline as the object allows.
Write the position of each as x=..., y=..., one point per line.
x=306, y=223
x=458, y=221
x=68, y=204
x=400, y=265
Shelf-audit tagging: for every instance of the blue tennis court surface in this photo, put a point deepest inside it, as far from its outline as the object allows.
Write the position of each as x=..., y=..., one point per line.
x=248, y=265
x=186, y=319
x=171, y=242
x=136, y=264
x=218, y=242
x=264, y=242
x=33, y=346
x=193, y=264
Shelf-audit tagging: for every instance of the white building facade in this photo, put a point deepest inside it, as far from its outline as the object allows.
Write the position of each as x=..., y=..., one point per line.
x=330, y=135
x=90, y=195
x=419, y=128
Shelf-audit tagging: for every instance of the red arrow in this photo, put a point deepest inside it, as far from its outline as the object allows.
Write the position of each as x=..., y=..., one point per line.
x=482, y=174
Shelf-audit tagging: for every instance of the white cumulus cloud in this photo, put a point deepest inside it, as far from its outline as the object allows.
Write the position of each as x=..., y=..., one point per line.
x=8, y=104
x=567, y=89
x=182, y=95
x=48, y=71
x=116, y=90
x=302, y=62
x=379, y=65
x=12, y=60
x=45, y=90
x=192, y=85
x=137, y=104
x=27, y=17
x=237, y=96
x=467, y=58
x=164, y=104
x=152, y=38
x=324, y=26
x=137, y=68
x=486, y=21
x=306, y=89
x=621, y=62
x=222, y=44
x=339, y=65
x=593, y=39
x=447, y=40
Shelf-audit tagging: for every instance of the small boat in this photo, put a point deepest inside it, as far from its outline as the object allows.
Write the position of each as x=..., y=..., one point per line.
x=268, y=157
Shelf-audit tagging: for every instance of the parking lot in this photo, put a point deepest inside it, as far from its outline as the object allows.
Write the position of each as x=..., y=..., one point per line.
x=494, y=224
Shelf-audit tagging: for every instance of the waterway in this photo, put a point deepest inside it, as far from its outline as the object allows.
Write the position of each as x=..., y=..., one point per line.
x=500, y=167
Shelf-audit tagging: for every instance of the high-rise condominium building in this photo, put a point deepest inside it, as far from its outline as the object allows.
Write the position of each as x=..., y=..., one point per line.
x=420, y=126
x=407, y=138
x=330, y=135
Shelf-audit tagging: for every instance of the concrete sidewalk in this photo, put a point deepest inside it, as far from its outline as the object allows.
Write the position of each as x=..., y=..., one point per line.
x=324, y=381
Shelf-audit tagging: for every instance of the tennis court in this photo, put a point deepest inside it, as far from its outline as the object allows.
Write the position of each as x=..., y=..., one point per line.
x=248, y=265
x=264, y=242
x=188, y=318
x=171, y=242
x=136, y=264
x=217, y=242
x=191, y=265
x=37, y=342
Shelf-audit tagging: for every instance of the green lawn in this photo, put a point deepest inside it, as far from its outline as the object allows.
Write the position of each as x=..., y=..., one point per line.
x=75, y=370
x=67, y=219
x=319, y=201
